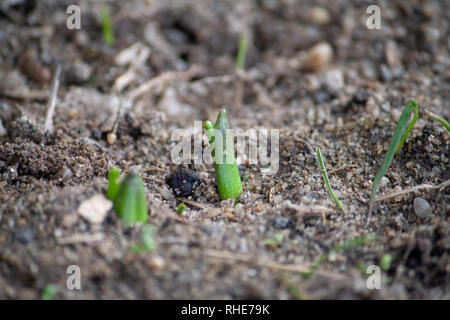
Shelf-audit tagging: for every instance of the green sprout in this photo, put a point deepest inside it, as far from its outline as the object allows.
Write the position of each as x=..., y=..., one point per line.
x=327, y=182
x=148, y=242
x=242, y=52
x=49, y=292
x=386, y=261
x=347, y=245
x=438, y=118
x=113, y=184
x=397, y=141
x=277, y=239
x=130, y=203
x=108, y=33
x=227, y=173
x=181, y=208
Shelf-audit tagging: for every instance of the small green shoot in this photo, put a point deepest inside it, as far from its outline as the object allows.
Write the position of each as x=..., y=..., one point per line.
x=227, y=172
x=108, y=33
x=347, y=245
x=181, y=208
x=277, y=239
x=438, y=118
x=398, y=138
x=49, y=292
x=327, y=182
x=113, y=184
x=242, y=52
x=386, y=261
x=148, y=242
x=130, y=203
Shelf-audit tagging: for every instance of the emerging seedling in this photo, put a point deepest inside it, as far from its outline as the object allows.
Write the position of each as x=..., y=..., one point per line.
x=113, y=184
x=108, y=33
x=129, y=200
x=347, y=245
x=222, y=146
x=438, y=118
x=181, y=208
x=240, y=63
x=49, y=292
x=327, y=182
x=242, y=52
x=398, y=138
x=148, y=242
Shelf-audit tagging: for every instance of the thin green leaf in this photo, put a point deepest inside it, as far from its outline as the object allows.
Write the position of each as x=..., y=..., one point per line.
x=242, y=52
x=438, y=118
x=327, y=182
x=398, y=138
x=108, y=33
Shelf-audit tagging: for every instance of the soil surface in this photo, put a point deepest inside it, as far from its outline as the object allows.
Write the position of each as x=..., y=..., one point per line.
x=313, y=70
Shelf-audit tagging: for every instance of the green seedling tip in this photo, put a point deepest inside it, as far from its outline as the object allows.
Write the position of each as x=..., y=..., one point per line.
x=181, y=208
x=130, y=203
x=108, y=33
x=113, y=184
x=327, y=182
x=227, y=173
x=242, y=52
x=386, y=261
x=398, y=138
x=49, y=292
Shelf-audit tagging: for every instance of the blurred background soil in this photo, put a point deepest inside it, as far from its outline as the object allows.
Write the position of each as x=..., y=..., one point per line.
x=313, y=70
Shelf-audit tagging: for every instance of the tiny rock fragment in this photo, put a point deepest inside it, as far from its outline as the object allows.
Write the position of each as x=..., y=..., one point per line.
x=183, y=182
x=421, y=207
x=95, y=209
x=333, y=80
x=3, y=131
x=392, y=53
x=78, y=72
x=319, y=15
x=111, y=137
x=30, y=66
x=318, y=57
x=155, y=262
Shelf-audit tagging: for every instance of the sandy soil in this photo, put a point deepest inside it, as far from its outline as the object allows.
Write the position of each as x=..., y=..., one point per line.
x=344, y=97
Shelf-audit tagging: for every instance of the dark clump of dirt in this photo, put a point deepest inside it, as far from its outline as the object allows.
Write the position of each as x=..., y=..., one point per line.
x=313, y=70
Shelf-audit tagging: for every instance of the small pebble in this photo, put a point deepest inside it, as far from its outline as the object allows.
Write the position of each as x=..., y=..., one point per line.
x=319, y=15
x=421, y=207
x=24, y=235
x=111, y=137
x=384, y=181
x=318, y=57
x=333, y=80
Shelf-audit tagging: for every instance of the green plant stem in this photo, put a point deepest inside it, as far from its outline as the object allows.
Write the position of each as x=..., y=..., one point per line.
x=327, y=182
x=398, y=138
x=227, y=173
x=108, y=33
x=438, y=118
x=242, y=52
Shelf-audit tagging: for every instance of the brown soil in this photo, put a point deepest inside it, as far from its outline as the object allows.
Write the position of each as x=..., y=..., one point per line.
x=216, y=250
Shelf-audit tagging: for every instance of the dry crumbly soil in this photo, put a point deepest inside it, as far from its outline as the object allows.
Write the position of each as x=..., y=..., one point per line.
x=217, y=250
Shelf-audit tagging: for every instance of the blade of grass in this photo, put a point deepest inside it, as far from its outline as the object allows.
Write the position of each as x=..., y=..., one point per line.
x=347, y=245
x=438, y=118
x=108, y=33
x=242, y=52
x=398, y=138
x=327, y=182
